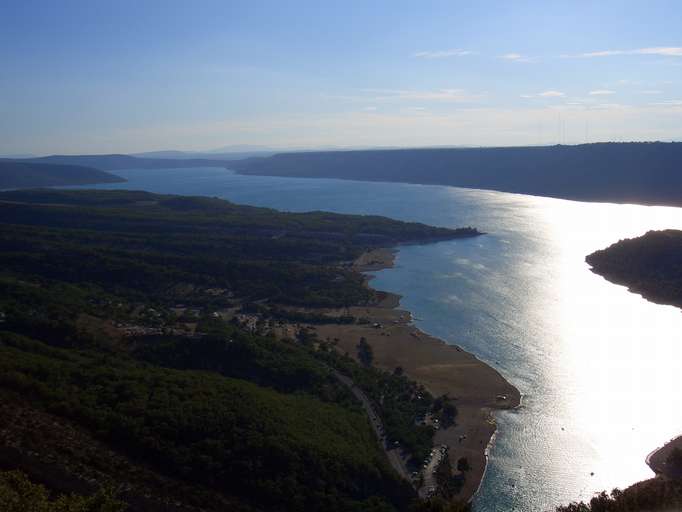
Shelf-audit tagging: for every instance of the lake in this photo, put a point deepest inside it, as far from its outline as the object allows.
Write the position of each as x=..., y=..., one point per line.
x=598, y=366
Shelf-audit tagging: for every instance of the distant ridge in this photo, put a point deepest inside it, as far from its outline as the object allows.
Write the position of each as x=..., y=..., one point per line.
x=118, y=162
x=637, y=172
x=20, y=174
x=208, y=155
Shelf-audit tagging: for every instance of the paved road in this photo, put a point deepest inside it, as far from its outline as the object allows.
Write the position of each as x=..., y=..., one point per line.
x=392, y=453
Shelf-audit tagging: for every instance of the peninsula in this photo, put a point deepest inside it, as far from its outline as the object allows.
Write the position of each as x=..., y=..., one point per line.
x=650, y=265
x=16, y=174
x=474, y=388
x=195, y=352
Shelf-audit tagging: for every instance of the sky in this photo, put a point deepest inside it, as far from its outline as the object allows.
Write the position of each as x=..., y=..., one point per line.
x=127, y=76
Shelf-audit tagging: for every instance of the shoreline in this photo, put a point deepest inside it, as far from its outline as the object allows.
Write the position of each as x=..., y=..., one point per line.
x=474, y=387
x=644, y=293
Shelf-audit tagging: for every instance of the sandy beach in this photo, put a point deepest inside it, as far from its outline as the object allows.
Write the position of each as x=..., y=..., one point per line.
x=475, y=388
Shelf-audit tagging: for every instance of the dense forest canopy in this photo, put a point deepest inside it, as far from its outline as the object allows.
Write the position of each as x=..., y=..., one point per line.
x=117, y=370
x=650, y=264
x=151, y=244
x=645, y=173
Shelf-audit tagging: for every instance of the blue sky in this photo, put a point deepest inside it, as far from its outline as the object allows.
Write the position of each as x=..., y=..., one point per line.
x=123, y=76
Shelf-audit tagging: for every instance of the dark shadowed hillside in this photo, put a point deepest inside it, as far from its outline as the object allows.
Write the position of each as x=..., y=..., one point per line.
x=128, y=360
x=646, y=173
x=25, y=174
x=650, y=264
x=653, y=495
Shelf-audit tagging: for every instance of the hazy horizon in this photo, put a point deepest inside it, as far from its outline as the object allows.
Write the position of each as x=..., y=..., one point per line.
x=206, y=153
x=135, y=77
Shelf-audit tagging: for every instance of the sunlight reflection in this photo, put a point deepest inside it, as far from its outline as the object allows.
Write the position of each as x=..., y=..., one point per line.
x=619, y=354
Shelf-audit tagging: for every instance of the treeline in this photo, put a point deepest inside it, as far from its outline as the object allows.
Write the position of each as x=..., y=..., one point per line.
x=654, y=495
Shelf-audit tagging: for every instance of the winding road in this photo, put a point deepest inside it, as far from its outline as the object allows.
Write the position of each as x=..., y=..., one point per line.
x=393, y=454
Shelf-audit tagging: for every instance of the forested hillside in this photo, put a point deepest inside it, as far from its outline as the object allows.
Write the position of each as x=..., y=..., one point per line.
x=121, y=373
x=653, y=495
x=650, y=265
x=644, y=173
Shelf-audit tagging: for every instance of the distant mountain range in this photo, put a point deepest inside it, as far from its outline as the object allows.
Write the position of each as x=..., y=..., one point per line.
x=117, y=162
x=238, y=152
x=210, y=155
x=14, y=174
x=643, y=173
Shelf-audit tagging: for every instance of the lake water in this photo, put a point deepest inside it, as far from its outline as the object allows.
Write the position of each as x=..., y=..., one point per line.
x=598, y=366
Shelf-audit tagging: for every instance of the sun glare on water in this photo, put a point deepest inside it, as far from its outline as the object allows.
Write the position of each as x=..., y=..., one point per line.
x=617, y=355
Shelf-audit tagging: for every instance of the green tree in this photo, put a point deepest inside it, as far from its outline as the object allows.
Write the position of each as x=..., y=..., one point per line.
x=19, y=494
x=365, y=353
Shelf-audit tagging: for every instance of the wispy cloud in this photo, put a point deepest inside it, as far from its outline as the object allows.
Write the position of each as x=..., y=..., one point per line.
x=372, y=97
x=453, y=95
x=516, y=57
x=651, y=91
x=544, y=94
x=442, y=54
x=443, y=95
x=551, y=94
x=668, y=103
x=601, y=92
x=665, y=51
x=608, y=106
